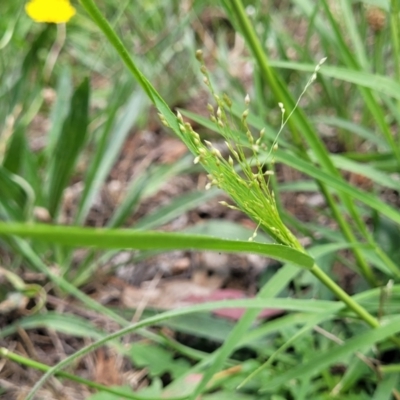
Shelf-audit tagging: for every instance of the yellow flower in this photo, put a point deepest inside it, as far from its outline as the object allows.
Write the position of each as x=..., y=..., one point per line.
x=56, y=11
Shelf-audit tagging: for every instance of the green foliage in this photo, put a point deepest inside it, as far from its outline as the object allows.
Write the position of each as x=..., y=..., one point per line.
x=158, y=360
x=69, y=145
x=327, y=343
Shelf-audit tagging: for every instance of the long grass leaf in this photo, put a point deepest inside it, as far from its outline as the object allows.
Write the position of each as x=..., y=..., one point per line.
x=68, y=147
x=108, y=150
x=339, y=185
x=380, y=84
x=323, y=360
x=118, y=239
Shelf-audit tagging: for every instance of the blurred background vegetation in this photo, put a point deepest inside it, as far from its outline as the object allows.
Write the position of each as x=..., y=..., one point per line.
x=81, y=145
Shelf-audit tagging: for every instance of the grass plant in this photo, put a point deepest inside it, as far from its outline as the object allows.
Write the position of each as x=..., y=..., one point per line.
x=329, y=343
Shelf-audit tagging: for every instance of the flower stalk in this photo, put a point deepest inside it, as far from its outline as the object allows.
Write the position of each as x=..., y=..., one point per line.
x=249, y=187
x=251, y=196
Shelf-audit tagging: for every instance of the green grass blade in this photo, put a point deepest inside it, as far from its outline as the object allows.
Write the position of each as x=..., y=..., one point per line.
x=257, y=304
x=301, y=125
x=307, y=326
x=325, y=359
x=351, y=27
x=118, y=239
x=64, y=323
x=384, y=390
x=60, y=110
x=380, y=178
x=130, y=202
x=378, y=83
x=353, y=128
x=16, y=196
x=339, y=185
x=175, y=208
x=27, y=362
x=271, y=289
x=375, y=109
x=68, y=146
x=240, y=335
x=16, y=150
x=108, y=151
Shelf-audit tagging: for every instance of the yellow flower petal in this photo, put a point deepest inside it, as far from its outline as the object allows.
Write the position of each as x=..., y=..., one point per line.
x=56, y=11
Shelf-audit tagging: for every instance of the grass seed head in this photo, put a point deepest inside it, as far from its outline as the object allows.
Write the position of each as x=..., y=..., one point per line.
x=246, y=186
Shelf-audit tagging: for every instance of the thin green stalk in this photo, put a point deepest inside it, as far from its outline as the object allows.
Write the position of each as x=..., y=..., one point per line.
x=122, y=51
x=378, y=49
x=156, y=319
x=262, y=61
x=370, y=99
x=45, y=368
x=347, y=232
x=395, y=32
x=113, y=38
x=348, y=300
x=24, y=249
x=103, y=24
x=390, y=369
x=316, y=144
x=298, y=120
x=343, y=296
